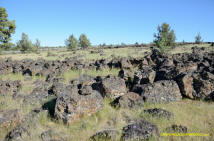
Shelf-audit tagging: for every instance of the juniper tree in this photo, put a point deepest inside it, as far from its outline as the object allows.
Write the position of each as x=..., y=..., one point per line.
x=6, y=29
x=71, y=42
x=25, y=44
x=37, y=45
x=164, y=38
x=84, y=41
x=198, y=38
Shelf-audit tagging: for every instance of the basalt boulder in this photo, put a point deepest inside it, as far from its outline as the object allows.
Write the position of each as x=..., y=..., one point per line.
x=71, y=106
x=10, y=86
x=107, y=135
x=160, y=113
x=160, y=91
x=113, y=87
x=140, y=130
x=9, y=118
x=129, y=100
x=176, y=129
x=144, y=76
x=195, y=85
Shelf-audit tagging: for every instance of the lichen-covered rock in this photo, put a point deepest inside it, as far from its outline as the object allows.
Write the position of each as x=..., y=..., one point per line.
x=9, y=118
x=71, y=106
x=38, y=95
x=185, y=83
x=160, y=113
x=10, y=86
x=130, y=100
x=160, y=91
x=140, y=130
x=177, y=129
x=113, y=87
x=144, y=76
x=107, y=135
x=19, y=133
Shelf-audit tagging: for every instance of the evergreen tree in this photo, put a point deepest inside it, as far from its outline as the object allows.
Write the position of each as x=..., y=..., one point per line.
x=71, y=43
x=6, y=29
x=198, y=38
x=165, y=38
x=25, y=44
x=84, y=41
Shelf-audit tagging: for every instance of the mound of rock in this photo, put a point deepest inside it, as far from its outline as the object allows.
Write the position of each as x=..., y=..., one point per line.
x=9, y=118
x=71, y=105
x=177, y=129
x=107, y=135
x=17, y=134
x=160, y=91
x=140, y=130
x=160, y=113
x=9, y=86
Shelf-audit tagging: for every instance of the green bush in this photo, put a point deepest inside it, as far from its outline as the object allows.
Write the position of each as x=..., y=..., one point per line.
x=49, y=54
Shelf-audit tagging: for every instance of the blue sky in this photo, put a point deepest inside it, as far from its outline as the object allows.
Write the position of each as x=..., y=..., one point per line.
x=109, y=21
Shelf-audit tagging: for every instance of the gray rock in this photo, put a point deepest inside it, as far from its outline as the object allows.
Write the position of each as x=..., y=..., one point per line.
x=140, y=130
x=160, y=113
x=107, y=135
x=177, y=129
x=160, y=91
x=71, y=106
x=130, y=100
x=113, y=87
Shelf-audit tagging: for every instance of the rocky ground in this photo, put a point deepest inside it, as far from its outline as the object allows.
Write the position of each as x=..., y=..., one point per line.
x=136, y=99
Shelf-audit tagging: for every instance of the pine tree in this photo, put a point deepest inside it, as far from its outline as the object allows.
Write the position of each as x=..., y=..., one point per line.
x=25, y=44
x=71, y=43
x=84, y=41
x=6, y=29
x=165, y=38
x=198, y=38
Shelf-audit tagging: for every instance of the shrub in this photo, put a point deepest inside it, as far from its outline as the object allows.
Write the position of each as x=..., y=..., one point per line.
x=84, y=41
x=49, y=54
x=165, y=38
x=198, y=39
x=71, y=43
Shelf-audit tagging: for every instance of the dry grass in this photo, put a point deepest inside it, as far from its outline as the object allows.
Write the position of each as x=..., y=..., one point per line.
x=196, y=115
x=74, y=74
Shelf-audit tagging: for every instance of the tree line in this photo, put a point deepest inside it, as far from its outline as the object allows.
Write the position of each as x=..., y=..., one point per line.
x=164, y=39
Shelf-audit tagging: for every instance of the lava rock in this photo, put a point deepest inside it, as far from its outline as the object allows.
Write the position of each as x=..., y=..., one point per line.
x=113, y=87
x=71, y=106
x=160, y=91
x=140, y=130
x=107, y=135
x=160, y=113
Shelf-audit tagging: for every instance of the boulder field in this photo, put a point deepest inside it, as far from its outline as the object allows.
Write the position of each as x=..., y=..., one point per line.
x=154, y=78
